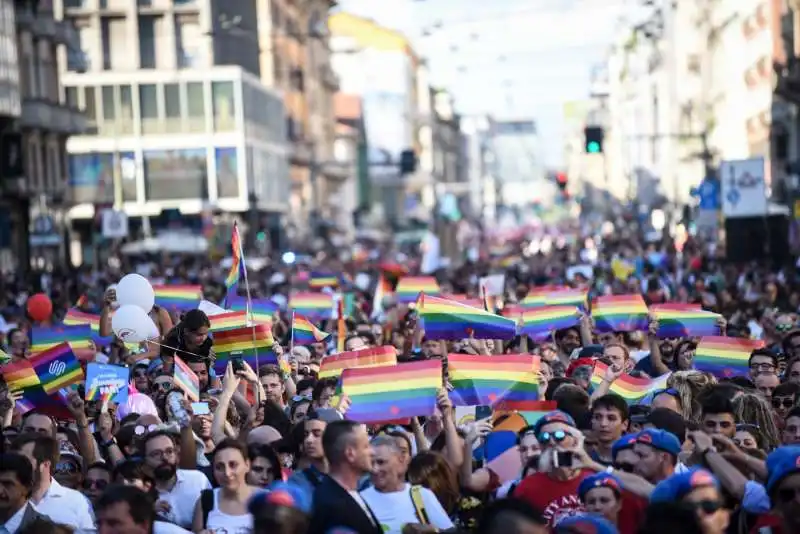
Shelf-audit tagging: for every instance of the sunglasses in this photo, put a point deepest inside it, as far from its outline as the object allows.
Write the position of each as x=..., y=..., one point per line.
x=298, y=398
x=707, y=507
x=786, y=402
x=783, y=327
x=787, y=495
x=163, y=386
x=558, y=436
x=96, y=484
x=141, y=430
x=627, y=468
x=66, y=468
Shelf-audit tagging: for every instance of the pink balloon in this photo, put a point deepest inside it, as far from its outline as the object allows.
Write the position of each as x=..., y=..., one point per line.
x=137, y=403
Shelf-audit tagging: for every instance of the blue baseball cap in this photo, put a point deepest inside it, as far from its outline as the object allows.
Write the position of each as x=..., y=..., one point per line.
x=677, y=486
x=625, y=442
x=781, y=463
x=556, y=416
x=661, y=440
x=599, y=480
x=585, y=524
x=283, y=494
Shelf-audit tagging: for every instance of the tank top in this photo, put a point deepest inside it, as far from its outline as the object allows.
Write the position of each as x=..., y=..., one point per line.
x=221, y=523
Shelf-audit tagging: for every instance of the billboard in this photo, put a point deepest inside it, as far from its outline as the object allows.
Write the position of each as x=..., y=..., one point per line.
x=176, y=174
x=226, y=161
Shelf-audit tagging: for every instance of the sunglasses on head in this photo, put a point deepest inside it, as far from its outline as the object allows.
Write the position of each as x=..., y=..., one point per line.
x=558, y=436
x=707, y=507
x=786, y=402
x=747, y=427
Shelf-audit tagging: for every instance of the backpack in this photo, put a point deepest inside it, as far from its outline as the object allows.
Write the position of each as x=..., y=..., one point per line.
x=206, y=504
x=419, y=505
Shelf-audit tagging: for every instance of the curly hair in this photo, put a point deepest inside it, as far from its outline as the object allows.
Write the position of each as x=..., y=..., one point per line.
x=689, y=385
x=752, y=408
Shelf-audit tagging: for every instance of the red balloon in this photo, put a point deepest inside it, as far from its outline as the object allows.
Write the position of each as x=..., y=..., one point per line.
x=40, y=307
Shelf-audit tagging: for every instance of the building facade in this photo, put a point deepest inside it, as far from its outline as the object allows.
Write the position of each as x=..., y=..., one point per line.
x=518, y=166
x=179, y=118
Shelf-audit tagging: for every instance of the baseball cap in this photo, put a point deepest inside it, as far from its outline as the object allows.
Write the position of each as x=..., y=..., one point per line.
x=585, y=524
x=678, y=485
x=283, y=494
x=625, y=442
x=556, y=416
x=599, y=480
x=661, y=440
x=781, y=463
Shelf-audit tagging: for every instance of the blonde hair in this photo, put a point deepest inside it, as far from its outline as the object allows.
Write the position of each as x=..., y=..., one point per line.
x=689, y=384
x=752, y=408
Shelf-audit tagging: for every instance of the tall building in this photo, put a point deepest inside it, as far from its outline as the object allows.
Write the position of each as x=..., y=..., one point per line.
x=518, y=165
x=35, y=122
x=379, y=65
x=479, y=160
x=179, y=118
x=295, y=60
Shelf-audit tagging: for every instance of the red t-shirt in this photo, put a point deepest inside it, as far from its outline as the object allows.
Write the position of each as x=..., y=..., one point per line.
x=556, y=499
x=631, y=515
x=768, y=520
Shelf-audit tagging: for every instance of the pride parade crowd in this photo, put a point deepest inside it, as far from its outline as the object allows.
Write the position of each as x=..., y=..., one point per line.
x=627, y=388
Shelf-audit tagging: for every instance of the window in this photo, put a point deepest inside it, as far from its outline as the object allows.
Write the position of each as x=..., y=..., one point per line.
x=172, y=107
x=188, y=39
x=90, y=108
x=109, y=104
x=148, y=108
x=105, y=37
x=71, y=94
x=196, y=106
x=176, y=174
x=125, y=124
x=224, y=106
x=147, y=42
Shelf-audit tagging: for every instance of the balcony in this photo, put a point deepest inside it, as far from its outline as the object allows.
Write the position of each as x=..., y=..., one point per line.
x=51, y=117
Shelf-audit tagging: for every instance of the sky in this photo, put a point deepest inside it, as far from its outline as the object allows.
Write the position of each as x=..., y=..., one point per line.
x=507, y=58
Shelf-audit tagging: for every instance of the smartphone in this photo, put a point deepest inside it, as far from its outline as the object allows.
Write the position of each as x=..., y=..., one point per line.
x=482, y=412
x=563, y=459
x=200, y=408
x=237, y=362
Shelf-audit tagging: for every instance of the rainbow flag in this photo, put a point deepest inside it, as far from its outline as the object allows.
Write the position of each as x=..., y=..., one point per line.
x=20, y=375
x=569, y=297
x=184, y=378
x=620, y=313
x=685, y=323
x=304, y=332
x=82, y=301
x=179, y=297
x=57, y=367
x=263, y=310
x=44, y=338
x=469, y=301
x=630, y=388
x=4, y=357
x=409, y=288
x=725, y=357
x=227, y=321
x=357, y=359
x=446, y=319
x=514, y=311
x=382, y=290
x=254, y=342
x=315, y=305
x=540, y=323
x=237, y=264
x=77, y=317
x=318, y=280
x=537, y=297
x=503, y=382
x=393, y=392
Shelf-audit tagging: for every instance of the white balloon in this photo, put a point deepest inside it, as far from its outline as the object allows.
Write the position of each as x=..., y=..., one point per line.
x=132, y=325
x=135, y=290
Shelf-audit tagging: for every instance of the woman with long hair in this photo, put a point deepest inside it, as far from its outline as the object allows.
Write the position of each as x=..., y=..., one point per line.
x=752, y=408
x=225, y=508
x=431, y=470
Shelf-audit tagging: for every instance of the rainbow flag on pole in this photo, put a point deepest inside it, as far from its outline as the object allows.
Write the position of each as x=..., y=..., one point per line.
x=44, y=338
x=185, y=379
x=357, y=359
x=503, y=382
x=410, y=287
x=393, y=392
x=57, y=367
x=77, y=317
x=725, y=357
x=318, y=280
x=182, y=297
x=20, y=375
x=630, y=388
x=304, y=332
x=237, y=264
x=227, y=321
x=620, y=313
x=263, y=310
x=540, y=323
x=674, y=323
x=315, y=305
x=446, y=319
x=254, y=342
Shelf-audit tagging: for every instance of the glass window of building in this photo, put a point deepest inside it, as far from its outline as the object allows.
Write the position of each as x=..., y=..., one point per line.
x=196, y=107
x=71, y=95
x=188, y=40
x=148, y=108
x=172, y=107
x=147, y=42
x=227, y=167
x=127, y=173
x=125, y=122
x=90, y=109
x=224, y=106
x=176, y=174
x=108, y=96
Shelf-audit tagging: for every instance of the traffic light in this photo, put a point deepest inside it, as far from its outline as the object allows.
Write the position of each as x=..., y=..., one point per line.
x=408, y=162
x=593, y=136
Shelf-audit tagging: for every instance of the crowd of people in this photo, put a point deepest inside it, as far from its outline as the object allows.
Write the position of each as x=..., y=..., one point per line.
x=276, y=453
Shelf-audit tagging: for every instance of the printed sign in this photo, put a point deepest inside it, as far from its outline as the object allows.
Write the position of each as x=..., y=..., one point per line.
x=105, y=378
x=744, y=191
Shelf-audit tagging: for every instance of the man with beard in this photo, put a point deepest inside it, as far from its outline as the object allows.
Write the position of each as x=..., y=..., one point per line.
x=16, y=481
x=567, y=340
x=178, y=489
x=60, y=504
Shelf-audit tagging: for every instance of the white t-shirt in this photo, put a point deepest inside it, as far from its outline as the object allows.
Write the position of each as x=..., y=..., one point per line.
x=219, y=521
x=183, y=496
x=396, y=509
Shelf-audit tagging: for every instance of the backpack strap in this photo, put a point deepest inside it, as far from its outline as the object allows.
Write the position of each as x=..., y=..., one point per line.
x=419, y=505
x=206, y=504
x=313, y=476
